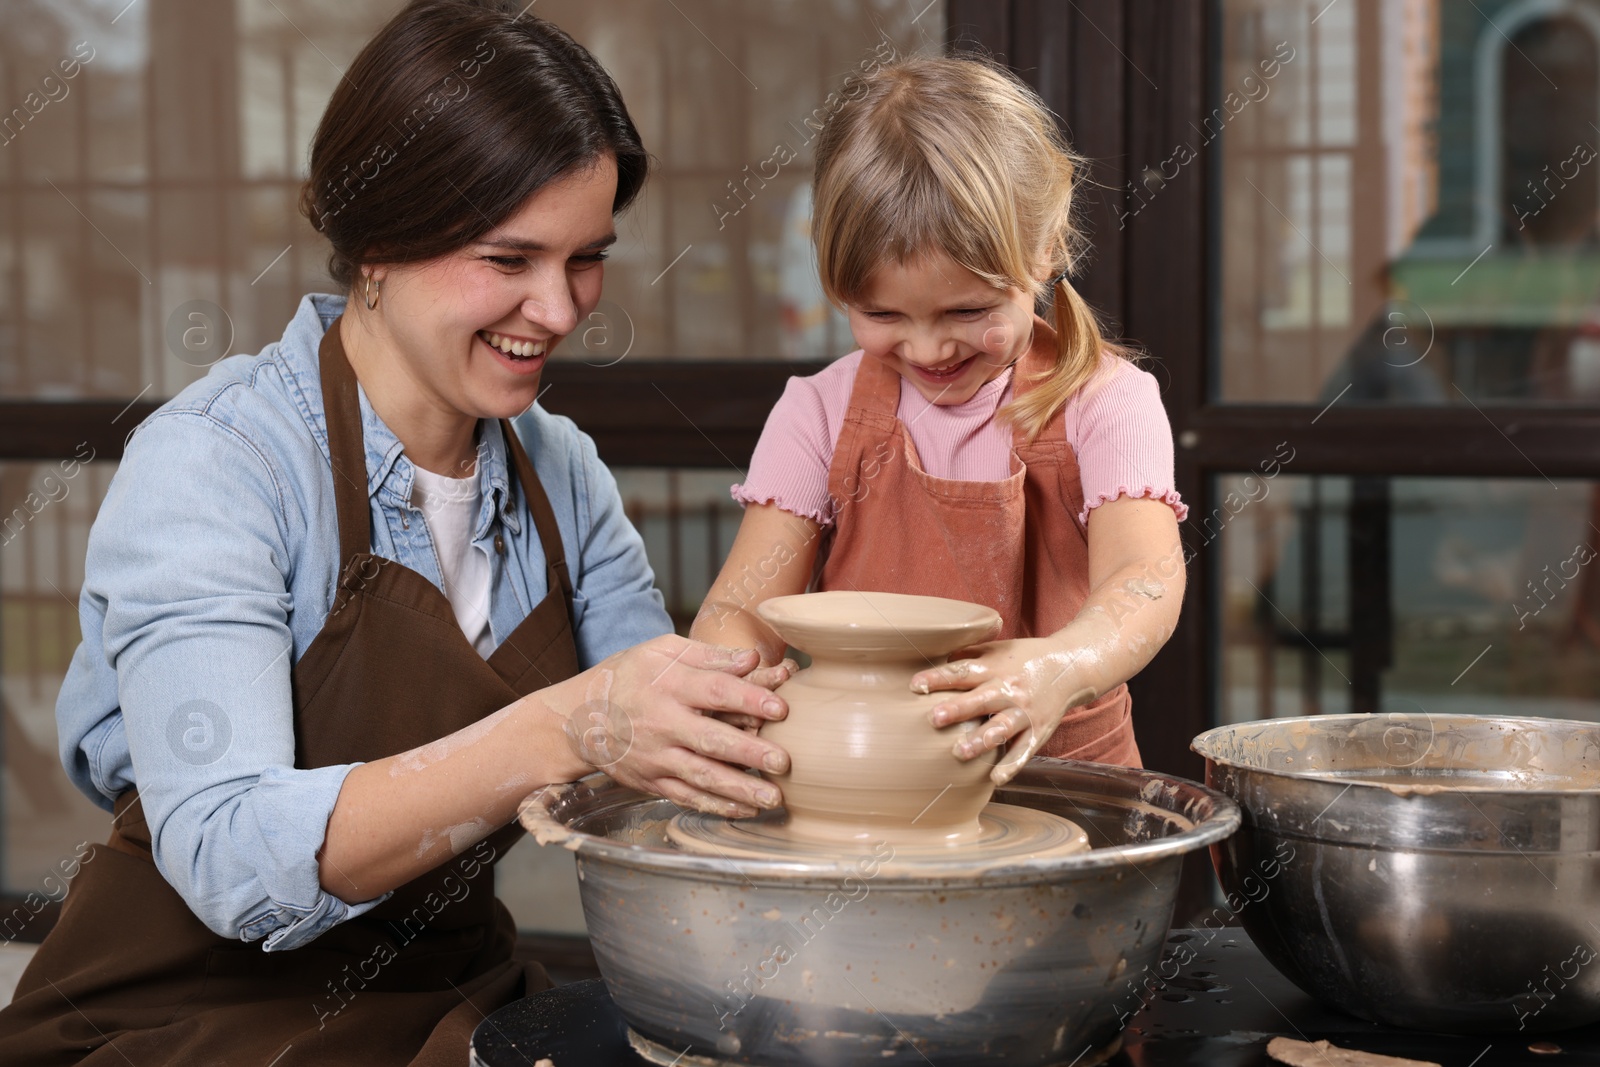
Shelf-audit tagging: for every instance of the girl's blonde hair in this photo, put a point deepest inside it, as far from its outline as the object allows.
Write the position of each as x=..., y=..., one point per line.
x=954, y=155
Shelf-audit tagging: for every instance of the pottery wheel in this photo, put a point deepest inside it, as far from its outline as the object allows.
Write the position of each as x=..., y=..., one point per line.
x=1006, y=831
x=656, y=1053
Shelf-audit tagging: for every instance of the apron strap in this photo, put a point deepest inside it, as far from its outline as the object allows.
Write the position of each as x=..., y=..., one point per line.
x=874, y=402
x=1029, y=372
x=341, y=406
x=876, y=388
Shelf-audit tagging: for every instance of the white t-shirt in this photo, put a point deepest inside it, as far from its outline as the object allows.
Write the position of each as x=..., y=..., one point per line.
x=450, y=506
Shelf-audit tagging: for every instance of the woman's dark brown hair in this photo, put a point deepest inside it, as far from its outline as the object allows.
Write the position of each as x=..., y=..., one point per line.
x=448, y=120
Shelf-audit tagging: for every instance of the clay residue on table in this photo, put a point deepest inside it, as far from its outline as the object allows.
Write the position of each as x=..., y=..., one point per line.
x=1322, y=1054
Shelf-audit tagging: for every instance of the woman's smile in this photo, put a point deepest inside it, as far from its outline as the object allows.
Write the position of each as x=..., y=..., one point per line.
x=520, y=355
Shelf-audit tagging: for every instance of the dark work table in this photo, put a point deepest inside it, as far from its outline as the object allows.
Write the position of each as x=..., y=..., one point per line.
x=1225, y=1006
x=1220, y=1010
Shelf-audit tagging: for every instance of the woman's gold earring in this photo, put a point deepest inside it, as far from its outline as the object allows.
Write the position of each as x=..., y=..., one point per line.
x=373, y=296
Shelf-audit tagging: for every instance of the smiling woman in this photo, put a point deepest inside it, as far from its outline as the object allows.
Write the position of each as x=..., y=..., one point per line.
x=468, y=332
x=341, y=613
x=500, y=198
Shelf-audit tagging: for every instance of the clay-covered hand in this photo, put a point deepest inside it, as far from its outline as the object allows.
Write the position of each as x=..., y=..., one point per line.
x=1025, y=687
x=649, y=717
x=773, y=676
x=768, y=678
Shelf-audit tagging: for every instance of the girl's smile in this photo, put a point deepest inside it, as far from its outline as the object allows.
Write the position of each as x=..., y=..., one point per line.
x=940, y=326
x=944, y=375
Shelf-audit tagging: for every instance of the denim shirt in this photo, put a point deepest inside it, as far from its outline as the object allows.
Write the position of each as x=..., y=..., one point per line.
x=212, y=565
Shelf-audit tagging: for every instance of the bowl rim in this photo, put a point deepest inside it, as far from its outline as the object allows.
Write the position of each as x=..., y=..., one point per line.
x=1206, y=740
x=537, y=814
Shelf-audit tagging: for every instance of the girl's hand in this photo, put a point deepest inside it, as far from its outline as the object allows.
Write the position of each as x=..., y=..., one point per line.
x=767, y=678
x=648, y=716
x=772, y=677
x=1025, y=686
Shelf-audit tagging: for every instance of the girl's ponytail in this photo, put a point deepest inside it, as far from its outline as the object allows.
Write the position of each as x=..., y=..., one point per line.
x=1080, y=346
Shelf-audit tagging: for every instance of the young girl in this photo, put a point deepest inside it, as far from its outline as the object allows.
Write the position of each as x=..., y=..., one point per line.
x=969, y=449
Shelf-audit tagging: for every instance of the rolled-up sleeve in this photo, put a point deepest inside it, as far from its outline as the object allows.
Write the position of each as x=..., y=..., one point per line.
x=190, y=563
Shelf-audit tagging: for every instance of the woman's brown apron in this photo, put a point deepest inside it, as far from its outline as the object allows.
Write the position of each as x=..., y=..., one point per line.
x=1015, y=545
x=130, y=975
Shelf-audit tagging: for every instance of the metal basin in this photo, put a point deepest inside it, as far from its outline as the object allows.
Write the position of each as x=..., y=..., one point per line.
x=1437, y=872
x=864, y=960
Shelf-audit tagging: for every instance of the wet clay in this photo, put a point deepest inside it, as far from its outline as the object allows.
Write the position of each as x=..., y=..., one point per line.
x=866, y=763
x=1323, y=1054
x=1007, y=833
x=864, y=757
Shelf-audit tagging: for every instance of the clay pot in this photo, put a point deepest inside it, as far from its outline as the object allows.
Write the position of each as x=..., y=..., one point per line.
x=865, y=762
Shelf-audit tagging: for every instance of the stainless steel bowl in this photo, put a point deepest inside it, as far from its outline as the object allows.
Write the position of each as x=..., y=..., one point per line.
x=1437, y=872
x=846, y=961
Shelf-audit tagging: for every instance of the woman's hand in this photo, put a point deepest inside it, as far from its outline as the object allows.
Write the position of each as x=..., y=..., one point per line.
x=1025, y=687
x=649, y=717
x=646, y=715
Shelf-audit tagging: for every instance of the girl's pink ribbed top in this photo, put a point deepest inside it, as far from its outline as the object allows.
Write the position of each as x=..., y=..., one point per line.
x=1115, y=424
